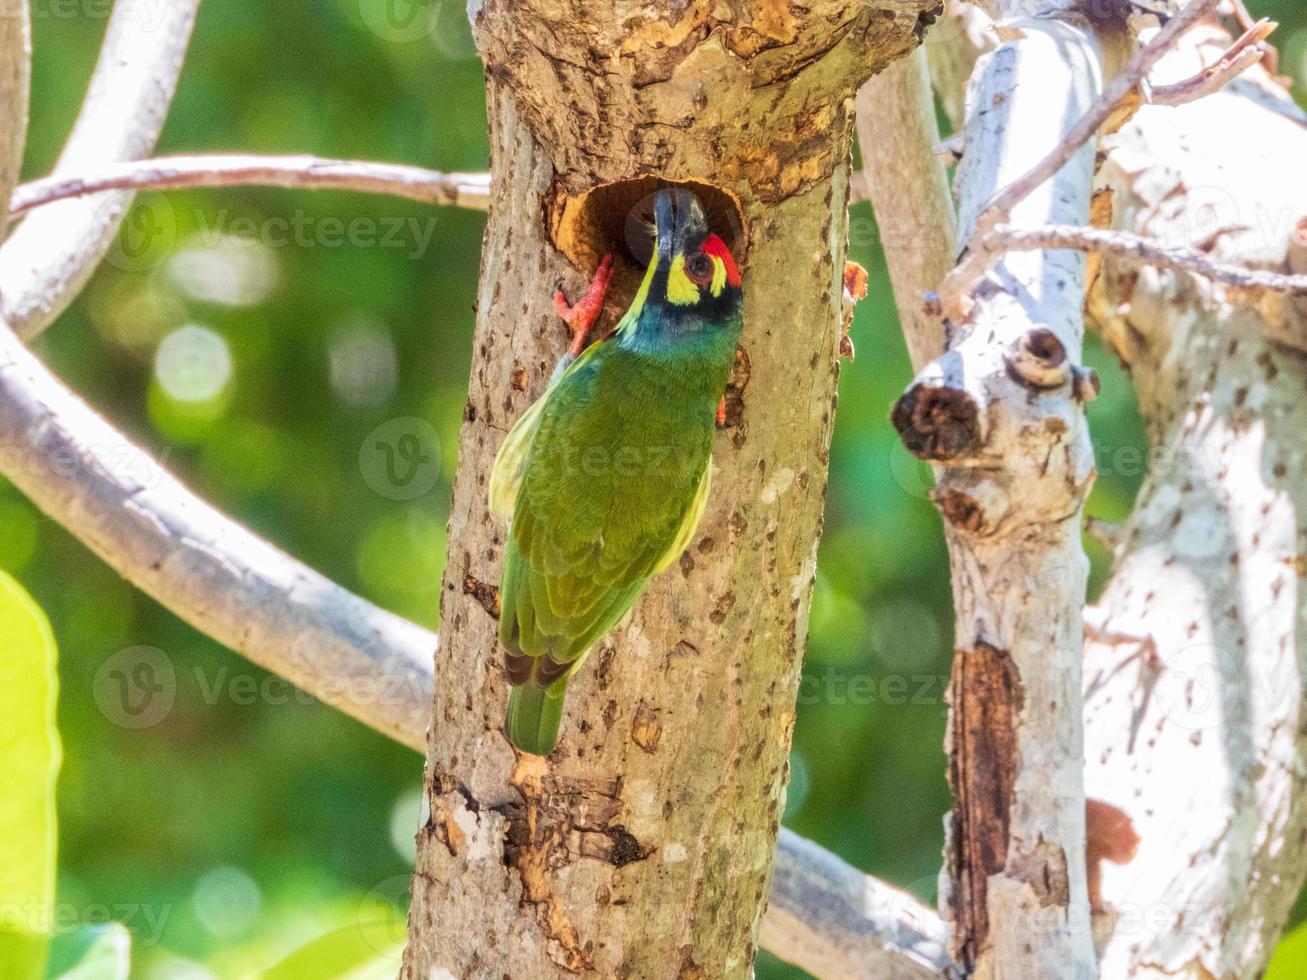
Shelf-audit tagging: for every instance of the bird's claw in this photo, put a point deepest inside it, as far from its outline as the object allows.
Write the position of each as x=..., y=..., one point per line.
x=580, y=317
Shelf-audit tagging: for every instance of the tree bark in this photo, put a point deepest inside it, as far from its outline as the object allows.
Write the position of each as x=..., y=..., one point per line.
x=15, y=82
x=1196, y=655
x=642, y=847
x=909, y=191
x=998, y=414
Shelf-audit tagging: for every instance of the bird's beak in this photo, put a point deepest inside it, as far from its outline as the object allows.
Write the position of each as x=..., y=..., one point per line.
x=680, y=222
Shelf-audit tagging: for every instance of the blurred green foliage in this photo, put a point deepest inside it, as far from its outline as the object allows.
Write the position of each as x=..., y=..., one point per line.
x=29, y=745
x=255, y=340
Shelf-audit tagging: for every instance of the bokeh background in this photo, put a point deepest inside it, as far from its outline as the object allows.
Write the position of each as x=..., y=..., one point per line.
x=259, y=341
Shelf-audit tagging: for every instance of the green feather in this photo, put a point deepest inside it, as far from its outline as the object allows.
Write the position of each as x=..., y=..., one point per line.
x=533, y=716
x=604, y=481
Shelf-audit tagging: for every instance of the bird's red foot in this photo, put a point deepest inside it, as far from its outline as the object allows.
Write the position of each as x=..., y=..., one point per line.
x=721, y=412
x=582, y=316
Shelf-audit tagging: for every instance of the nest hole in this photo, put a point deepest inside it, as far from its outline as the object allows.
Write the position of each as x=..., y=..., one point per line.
x=617, y=219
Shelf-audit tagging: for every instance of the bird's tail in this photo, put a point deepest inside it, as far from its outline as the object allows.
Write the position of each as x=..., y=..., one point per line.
x=533, y=716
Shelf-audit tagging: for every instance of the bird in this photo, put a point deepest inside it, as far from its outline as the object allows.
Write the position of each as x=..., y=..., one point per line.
x=605, y=477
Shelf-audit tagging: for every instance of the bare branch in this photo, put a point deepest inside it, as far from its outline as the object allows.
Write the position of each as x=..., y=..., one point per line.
x=1272, y=60
x=1242, y=55
x=48, y=258
x=1092, y=121
x=122, y=504
x=835, y=922
x=471, y=190
x=998, y=414
x=15, y=83
x=909, y=191
x=1137, y=248
x=980, y=254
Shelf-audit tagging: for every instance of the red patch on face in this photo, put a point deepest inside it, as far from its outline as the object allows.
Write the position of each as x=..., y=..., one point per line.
x=715, y=246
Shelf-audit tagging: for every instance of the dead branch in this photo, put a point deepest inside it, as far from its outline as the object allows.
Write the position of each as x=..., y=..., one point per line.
x=1247, y=51
x=999, y=415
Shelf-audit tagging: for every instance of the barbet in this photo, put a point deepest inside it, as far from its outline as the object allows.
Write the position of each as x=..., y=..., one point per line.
x=605, y=477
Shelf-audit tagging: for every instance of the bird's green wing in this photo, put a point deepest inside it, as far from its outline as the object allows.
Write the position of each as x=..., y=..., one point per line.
x=692, y=518
x=588, y=531
x=510, y=461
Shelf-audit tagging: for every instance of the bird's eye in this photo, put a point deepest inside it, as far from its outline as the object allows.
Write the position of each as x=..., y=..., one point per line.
x=699, y=268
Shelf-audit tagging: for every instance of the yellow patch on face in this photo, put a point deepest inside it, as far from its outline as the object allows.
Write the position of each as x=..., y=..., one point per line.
x=680, y=290
x=718, y=276
x=632, y=314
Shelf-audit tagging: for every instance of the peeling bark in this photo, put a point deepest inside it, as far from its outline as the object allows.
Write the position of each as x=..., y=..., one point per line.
x=642, y=847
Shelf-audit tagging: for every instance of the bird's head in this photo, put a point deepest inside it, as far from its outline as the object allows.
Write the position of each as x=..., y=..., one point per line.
x=692, y=270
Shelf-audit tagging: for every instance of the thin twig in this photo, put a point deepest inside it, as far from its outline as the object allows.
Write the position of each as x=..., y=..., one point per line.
x=1090, y=123
x=1246, y=20
x=1149, y=251
x=470, y=190
x=1238, y=58
x=981, y=256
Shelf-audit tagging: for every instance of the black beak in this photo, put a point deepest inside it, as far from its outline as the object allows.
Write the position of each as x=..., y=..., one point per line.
x=681, y=225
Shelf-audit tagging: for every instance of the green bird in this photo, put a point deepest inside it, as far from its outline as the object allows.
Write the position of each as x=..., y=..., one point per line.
x=605, y=477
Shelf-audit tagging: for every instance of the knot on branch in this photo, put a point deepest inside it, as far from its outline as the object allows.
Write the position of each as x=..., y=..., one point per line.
x=1038, y=360
x=977, y=508
x=936, y=422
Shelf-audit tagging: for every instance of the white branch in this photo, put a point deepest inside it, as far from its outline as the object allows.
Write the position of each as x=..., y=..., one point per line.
x=981, y=253
x=122, y=504
x=470, y=190
x=1194, y=701
x=999, y=415
x=49, y=257
x=835, y=922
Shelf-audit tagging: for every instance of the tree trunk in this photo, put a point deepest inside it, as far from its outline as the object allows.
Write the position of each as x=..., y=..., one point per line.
x=1196, y=655
x=998, y=414
x=642, y=847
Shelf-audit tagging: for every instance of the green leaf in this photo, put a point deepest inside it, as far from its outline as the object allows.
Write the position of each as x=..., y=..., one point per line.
x=1290, y=959
x=29, y=746
x=98, y=952
x=364, y=951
